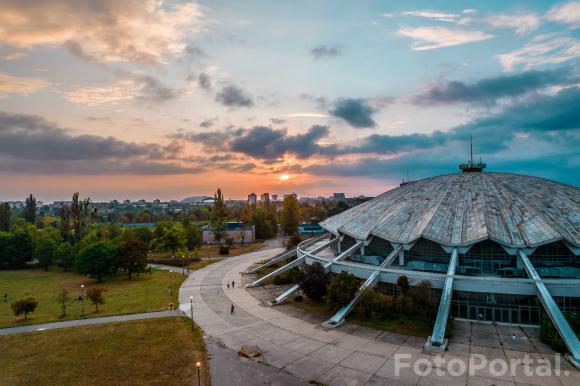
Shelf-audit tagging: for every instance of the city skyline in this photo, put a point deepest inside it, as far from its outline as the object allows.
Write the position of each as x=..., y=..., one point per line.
x=147, y=99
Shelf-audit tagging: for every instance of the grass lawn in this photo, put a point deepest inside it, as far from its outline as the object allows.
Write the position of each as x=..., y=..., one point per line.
x=145, y=352
x=402, y=325
x=205, y=251
x=144, y=293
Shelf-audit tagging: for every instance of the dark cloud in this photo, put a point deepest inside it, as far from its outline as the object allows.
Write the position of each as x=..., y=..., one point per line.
x=31, y=144
x=233, y=96
x=204, y=81
x=491, y=89
x=324, y=51
x=194, y=52
x=153, y=90
x=207, y=123
x=356, y=112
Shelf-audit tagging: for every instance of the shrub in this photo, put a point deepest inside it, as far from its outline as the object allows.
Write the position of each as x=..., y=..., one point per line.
x=550, y=336
x=282, y=280
x=341, y=290
x=403, y=285
x=224, y=250
x=313, y=280
x=293, y=241
x=24, y=306
x=298, y=298
x=369, y=303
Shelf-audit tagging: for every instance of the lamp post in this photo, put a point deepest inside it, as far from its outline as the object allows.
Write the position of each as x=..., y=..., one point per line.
x=171, y=276
x=82, y=300
x=191, y=302
x=198, y=365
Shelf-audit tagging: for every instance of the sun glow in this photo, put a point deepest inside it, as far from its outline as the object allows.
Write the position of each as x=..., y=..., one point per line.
x=284, y=177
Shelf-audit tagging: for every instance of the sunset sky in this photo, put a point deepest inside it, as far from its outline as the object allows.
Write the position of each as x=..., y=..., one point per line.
x=151, y=99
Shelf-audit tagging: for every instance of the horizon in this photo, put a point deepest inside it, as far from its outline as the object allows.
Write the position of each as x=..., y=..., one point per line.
x=146, y=99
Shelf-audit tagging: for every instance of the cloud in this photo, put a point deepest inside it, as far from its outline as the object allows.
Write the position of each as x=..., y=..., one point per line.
x=356, y=112
x=13, y=56
x=490, y=89
x=130, y=30
x=429, y=38
x=522, y=23
x=433, y=15
x=207, y=123
x=31, y=144
x=568, y=13
x=20, y=85
x=324, y=51
x=541, y=50
x=233, y=96
x=204, y=81
x=263, y=142
x=277, y=121
x=136, y=87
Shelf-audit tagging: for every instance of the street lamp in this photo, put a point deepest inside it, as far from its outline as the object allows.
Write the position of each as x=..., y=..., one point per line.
x=191, y=302
x=82, y=300
x=171, y=275
x=198, y=365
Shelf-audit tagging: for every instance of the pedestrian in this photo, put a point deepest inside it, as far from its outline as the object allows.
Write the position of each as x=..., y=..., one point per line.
x=233, y=284
x=513, y=337
x=228, y=284
x=232, y=309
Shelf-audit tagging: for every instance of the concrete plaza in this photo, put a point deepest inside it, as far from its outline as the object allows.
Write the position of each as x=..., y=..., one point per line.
x=294, y=342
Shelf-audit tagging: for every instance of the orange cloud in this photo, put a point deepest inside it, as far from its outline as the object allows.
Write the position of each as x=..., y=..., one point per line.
x=19, y=85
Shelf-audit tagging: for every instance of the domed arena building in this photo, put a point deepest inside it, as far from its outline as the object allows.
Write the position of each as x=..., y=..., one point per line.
x=496, y=247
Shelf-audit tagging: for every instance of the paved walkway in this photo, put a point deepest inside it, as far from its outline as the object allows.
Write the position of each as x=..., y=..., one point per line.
x=88, y=322
x=349, y=355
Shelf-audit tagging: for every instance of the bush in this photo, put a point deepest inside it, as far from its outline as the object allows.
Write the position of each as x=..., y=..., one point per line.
x=341, y=290
x=313, y=280
x=289, y=277
x=550, y=336
x=298, y=298
x=369, y=303
x=224, y=250
x=24, y=306
x=293, y=242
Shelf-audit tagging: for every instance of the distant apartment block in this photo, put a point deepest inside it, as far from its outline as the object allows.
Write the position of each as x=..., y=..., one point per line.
x=252, y=199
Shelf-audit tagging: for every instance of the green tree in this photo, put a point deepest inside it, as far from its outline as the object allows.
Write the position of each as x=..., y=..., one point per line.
x=290, y=219
x=96, y=260
x=95, y=295
x=5, y=217
x=64, y=256
x=144, y=234
x=62, y=298
x=30, y=208
x=313, y=280
x=24, y=306
x=16, y=250
x=341, y=290
x=45, y=249
x=172, y=239
x=80, y=215
x=218, y=213
x=132, y=255
x=193, y=237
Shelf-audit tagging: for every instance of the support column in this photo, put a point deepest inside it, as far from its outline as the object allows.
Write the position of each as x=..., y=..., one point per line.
x=402, y=256
x=437, y=342
x=551, y=307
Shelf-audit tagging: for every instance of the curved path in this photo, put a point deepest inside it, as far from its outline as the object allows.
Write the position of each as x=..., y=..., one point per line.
x=349, y=355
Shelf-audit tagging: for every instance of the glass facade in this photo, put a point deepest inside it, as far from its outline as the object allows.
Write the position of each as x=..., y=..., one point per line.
x=504, y=308
x=555, y=260
x=488, y=258
x=426, y=255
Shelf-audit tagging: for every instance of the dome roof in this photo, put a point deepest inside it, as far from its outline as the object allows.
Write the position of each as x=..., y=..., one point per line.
x=464, y=208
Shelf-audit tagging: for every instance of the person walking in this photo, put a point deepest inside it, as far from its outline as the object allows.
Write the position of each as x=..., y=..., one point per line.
x=228, y=284
x=233, y=284
x=232, y=309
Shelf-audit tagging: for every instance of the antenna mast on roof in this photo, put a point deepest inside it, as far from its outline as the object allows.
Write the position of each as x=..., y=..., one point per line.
x=470, y=166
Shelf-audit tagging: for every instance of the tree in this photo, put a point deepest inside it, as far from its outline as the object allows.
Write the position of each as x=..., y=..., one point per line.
x=172, y=239
x=5, y=217
x=341, y=290
x=24, y=306
x=45, y=249
x=16, y=249
x=313, y=280
x=218, y=217
x=193, y=237
x=132, y=255
x=95, y=295
x=290, y=219
x=30, y=209
x=62, y=298
x=64, y=256
x=80, y=215
x=96, y=260
x=144, y=234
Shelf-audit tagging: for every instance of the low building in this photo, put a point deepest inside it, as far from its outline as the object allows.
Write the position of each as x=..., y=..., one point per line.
x=233, y=229
x=310, y=229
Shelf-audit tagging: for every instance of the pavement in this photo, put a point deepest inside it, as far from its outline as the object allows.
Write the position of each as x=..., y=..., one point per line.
x=88, y=322
x=295, y=343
